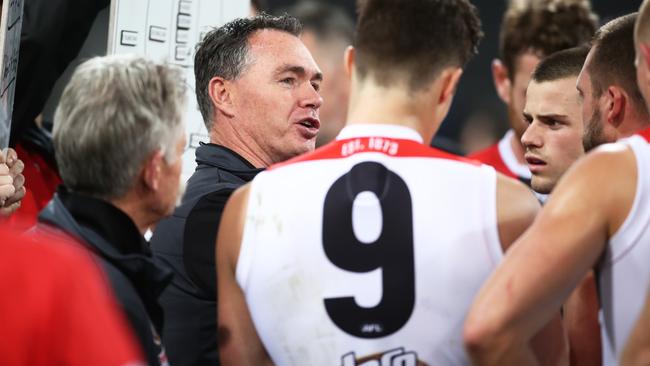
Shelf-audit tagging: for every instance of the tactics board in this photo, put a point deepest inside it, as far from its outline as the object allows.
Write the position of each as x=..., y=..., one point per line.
x=169, y=30
x=12, y=14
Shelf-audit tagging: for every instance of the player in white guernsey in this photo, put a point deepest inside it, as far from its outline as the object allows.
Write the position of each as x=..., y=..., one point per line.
x=597, y=217
x=370, y=250
x=637, y=351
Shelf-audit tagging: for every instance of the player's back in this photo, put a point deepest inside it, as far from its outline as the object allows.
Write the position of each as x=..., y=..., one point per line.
x=371, y=248
x=624, y=274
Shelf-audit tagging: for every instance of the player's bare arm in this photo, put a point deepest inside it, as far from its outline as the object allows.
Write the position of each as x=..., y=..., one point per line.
x=542, y=268
x=637, y=350
x=580, y=319
x=516, y=210
x=239, y=343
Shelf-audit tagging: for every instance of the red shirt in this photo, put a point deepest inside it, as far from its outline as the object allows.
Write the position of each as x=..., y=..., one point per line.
x=492, y=157
x=56, y=308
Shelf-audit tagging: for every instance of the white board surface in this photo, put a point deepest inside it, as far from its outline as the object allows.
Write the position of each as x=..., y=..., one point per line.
x=12, y=15
x=168, y=30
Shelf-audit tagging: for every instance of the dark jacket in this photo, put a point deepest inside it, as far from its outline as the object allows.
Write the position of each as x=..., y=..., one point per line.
x=185, y=242
x=123, y=255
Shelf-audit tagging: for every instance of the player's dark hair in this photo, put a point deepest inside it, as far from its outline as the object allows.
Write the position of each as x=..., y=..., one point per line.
x=414, y=40
x=544, y=27
x=613, y=57
x=561, y=64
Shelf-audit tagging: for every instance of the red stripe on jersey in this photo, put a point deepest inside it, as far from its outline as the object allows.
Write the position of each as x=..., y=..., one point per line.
x=492, y=157
x=385, y=145
x=645, y=134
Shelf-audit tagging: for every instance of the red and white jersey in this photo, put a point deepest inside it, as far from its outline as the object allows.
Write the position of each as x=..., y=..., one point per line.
x=370, y=248
x=501, y=157
x=624, y=272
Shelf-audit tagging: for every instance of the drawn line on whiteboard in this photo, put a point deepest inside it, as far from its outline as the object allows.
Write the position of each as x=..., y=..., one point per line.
x=7, y=87
x=13, y=24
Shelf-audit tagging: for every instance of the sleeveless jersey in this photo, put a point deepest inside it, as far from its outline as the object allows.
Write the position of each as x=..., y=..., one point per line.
x=368, y=251
x=624, y=273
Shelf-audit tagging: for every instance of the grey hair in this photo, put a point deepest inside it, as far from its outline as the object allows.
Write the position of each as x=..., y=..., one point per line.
x=224, y=52
x=115, y=112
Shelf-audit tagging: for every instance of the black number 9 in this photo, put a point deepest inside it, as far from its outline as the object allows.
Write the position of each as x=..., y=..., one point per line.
x=392, y=251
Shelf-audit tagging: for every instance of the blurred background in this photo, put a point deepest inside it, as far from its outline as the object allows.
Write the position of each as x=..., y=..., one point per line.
x=477, y=118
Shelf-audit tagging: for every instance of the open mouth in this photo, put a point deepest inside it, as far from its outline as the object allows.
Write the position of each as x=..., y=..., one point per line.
x=310, y=123
x=531, y=160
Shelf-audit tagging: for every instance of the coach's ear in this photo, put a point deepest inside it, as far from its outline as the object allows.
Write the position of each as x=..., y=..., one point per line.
x=348, y=60
x=501, y=80
x=151, y=171
x=220, y=95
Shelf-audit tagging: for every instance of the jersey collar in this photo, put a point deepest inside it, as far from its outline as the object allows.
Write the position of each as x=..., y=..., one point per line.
x=369, y=130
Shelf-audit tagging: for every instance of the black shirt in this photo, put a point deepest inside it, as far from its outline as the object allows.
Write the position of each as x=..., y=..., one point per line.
x=186, y=243
x=124, y=256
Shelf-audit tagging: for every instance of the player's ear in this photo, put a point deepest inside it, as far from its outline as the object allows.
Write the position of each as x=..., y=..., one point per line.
x=448, y=80
x=615, y=103
x=501, y=80
x=348, y=60
x=220, y=91
x=449, y=84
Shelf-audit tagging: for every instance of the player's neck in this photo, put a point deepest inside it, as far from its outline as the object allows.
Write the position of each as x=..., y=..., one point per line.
x=517, y=149
x=372, y=104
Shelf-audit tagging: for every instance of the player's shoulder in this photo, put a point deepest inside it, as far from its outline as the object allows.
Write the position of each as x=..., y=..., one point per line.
x=603, y=179
x=607, y=160
x=514, y=196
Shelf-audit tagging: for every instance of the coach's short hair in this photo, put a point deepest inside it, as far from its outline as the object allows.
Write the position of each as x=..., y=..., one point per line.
x=114, y=113
x=561, y=64
x=224, y=52
x=544, y=27
x=413, y=41
x=612, y=62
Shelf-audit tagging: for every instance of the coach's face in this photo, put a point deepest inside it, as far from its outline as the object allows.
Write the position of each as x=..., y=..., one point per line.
x=276, y=97
x=553, y=139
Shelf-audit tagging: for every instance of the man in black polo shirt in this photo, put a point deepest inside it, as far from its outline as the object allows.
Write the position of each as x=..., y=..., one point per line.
x=257, y=88
x=118, y=138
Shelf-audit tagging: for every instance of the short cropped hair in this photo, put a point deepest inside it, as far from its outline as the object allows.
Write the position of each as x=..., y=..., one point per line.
x=561, y=64
x=114, y=113
x=326, y=21
x=544, y=27
x=414, y=40
x=612, y=62
x=224, y=53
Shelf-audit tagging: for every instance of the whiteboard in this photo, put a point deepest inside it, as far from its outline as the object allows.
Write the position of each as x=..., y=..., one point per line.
x=12, y=19
x=168, y=30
